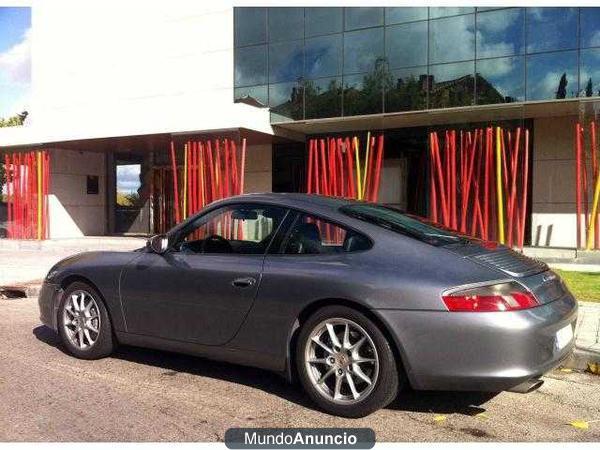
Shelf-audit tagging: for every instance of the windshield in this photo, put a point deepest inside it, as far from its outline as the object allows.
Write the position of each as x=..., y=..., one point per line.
x=407, y=224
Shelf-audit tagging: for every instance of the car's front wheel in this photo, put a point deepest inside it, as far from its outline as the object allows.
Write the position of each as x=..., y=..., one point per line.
x=83, y=323
x=345, y=363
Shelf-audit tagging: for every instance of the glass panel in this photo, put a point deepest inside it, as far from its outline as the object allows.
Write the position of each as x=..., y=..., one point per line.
x=452, y=39
x=552, y=76
x=323, y=56
x=286, y=24
x=451, y=85
x=250, y=26
x=590, y=73
x=500, y=33
x=324, y=21
x=286, y=100
x=406, y=45
x=500, y=80
x=551, y=29
x=323, y=98
x=286, y=61
x=253, y=95
x=400, y=15
x=408, y=90
x=451, y=11
x=131, y=195
x=362, y=18
x=361, y=49
x=363, y=94
x=590, y=27
x=251, y=65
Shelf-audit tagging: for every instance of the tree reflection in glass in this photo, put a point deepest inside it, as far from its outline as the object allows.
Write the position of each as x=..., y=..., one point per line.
x=323, y=98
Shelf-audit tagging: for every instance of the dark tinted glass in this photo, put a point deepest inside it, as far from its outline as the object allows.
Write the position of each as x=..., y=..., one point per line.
x=286, y=61
x=362, y=49
x=355, y=18
x=286, y=101
x=363, y=94
x=551, y=29
x=500, y=33
x=323, y=98
x=286, y=24
x=500, y=80
x=323, y=21
x=552, y=76
x=250, y=26
x=451, y=85
x=253, y=95
x=400, y=15
x=590, y=73
x=590, y=27
x=407, y=91
x=451, y=11
x=251, y=65
x=406, y=44
x=323, y=56
x=452, y=39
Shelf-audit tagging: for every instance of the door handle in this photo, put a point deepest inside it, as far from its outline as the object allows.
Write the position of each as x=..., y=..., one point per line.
x=243, y=282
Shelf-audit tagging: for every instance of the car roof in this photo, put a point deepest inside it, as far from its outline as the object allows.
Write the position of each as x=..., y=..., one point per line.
x=295, y=200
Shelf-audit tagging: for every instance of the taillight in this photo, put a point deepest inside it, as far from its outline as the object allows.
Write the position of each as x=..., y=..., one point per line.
x=510, y=296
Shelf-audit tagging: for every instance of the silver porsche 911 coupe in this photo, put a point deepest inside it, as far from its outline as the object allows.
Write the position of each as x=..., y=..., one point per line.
x=355, y=300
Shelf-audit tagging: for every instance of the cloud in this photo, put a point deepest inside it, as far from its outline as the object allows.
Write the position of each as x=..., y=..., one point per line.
x=15, y=63
x=595, y=39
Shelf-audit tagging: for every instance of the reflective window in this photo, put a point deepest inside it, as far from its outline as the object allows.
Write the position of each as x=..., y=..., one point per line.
x=500, y=80
x=408, y=90
x=363, y=94
x=323, y=56
x=406, y=14
x=286, y=24
x=551, y=29
x=252, y=95
x=590, y=27
x=406, y=44
x=451, y=85
x=323, y=98
x=323, y=21
x=355, y=18
x=552, y=76
x=589, y=74
x=451, y=11
x=286, y=101
x=250, y=26
x=286, y=61
x=500, y=33
x=362, y=49
x=452, y=39
x=251, y=65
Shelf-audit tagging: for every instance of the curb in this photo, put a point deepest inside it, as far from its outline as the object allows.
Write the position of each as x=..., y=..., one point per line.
x=580, y=358
x=21, y=290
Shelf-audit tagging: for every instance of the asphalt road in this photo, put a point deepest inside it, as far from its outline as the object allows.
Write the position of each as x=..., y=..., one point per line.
x=144, y=395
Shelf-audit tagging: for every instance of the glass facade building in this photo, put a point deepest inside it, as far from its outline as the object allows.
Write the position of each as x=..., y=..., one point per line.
x=309, y=63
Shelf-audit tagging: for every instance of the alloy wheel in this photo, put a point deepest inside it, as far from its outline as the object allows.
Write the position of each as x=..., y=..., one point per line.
x=81, y=319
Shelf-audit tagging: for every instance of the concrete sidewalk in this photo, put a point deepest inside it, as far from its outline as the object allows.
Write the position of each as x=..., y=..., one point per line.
x=587, y=336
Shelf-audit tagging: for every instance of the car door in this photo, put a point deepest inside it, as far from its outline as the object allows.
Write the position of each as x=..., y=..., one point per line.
x=201, y=289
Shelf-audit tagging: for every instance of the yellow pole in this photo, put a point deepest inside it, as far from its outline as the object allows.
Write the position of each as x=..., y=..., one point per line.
x=39, y=195
x=366, y=166
x=358, y=176
x=590, y=241
x=499, y=187
x=185, y=163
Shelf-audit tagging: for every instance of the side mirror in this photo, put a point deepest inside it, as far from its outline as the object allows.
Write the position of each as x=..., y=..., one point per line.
x=158, y=244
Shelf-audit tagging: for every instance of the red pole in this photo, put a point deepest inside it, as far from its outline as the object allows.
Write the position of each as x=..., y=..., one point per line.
x=333, y=168
x=578, y=184
x=378, y=167
x=525, y=188
x=175, y=183
x=594, y=178
x=325, y=183
x=317, y=178
x=227, y=162
x=584, y=179
x=442, y=183
x=513, y=194
x=350, y=161
x=340, y=160
x=309, y=168
x=243, y=166
x=234, y=166
x=7, y=171
x=432, y=195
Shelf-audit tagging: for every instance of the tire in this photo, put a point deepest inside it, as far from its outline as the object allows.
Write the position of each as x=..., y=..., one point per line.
x=73, y=323
x=376, y=361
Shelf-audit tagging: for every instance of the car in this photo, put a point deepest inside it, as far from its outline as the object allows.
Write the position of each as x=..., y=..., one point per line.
x=355, y=300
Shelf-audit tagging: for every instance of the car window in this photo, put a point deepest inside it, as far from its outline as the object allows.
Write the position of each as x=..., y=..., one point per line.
x=312, y=235
x=237, y=229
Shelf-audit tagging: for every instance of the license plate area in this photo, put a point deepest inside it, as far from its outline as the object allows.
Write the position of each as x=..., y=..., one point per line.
x=564, y=336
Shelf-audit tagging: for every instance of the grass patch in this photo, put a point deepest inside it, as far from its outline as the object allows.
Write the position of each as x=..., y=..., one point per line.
x=585, y=286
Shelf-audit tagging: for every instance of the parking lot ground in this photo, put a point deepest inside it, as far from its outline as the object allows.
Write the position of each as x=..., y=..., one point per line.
x=145, y=395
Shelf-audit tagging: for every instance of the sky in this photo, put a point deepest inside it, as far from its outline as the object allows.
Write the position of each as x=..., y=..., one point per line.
x=15, y=60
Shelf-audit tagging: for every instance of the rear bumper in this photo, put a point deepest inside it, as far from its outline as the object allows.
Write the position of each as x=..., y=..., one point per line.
x=480, y=351
x=48, y=304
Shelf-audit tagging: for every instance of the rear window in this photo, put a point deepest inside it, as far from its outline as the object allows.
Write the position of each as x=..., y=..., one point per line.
x=407, y=224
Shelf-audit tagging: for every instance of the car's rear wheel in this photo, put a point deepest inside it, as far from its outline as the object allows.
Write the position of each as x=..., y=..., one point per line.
x=83, y=322
x=345, y=363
